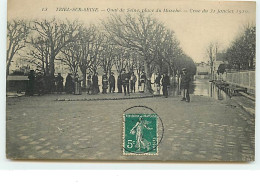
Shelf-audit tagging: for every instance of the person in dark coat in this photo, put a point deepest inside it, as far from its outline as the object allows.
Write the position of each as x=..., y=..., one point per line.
x=59, y=80
x=69, y=84
x=112, y=83
x=40, y=83
x=125, y=81
x=31, y=83
x=185, y=83
x=132, y=82
x=104, y=83
x=52, y=84
x=95, y=83
x=119, y=83
x=89, y=85
x=165, y=84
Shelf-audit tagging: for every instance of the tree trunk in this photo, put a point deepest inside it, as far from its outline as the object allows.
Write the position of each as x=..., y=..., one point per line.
x=84, y=73
x=7, y=68
x=43, y=66
x=109, y=71
x=148, y=87
x=169, y=70
x=94, y=70
x=52, y=66
x=47, y=70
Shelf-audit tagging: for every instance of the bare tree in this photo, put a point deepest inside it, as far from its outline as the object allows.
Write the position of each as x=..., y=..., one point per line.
x=39, y=52
x=168, y=53
x=140, y=34
x=211, y=51
x=90, y=41
x=17, y=32
x=71, y=57
x=57, y=34
x=107, y=56
x=121, y=58
x=137, y=63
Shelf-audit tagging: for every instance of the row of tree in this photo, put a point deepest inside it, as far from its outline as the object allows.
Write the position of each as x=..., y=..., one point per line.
x=132, y=42
x=241, y=53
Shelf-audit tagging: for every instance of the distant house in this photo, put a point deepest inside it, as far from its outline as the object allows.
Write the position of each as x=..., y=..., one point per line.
x=203, y=70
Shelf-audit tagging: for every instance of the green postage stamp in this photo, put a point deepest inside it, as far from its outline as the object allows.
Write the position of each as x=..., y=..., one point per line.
x=140, y=134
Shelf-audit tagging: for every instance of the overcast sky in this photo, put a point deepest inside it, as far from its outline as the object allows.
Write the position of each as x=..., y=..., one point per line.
x=194, y=30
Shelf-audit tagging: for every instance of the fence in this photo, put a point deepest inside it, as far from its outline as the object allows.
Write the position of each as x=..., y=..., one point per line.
x=243, y=79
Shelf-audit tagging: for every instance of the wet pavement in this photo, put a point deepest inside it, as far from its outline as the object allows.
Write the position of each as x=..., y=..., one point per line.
x=209, y=128
x=202, y=87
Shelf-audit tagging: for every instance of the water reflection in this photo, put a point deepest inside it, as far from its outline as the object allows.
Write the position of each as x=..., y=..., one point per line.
x=216, y=93
x=202, y=87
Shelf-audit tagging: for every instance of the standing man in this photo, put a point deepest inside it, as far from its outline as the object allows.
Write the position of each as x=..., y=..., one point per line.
x=52, y=84
x=119, y=83
x=185, y=82
x=112, y=83
x=125, y=81
x=132, y=82
x=59, y=81
x=104, y=83
x=95, y=83
x=40, y=84
x=31, y=83
x=165, y=84
x=89, y=85
x=69, y=84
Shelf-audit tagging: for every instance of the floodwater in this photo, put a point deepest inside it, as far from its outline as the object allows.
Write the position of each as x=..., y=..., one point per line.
x=201, y=87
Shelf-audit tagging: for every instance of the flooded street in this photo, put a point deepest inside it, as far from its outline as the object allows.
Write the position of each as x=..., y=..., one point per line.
x=202, y=87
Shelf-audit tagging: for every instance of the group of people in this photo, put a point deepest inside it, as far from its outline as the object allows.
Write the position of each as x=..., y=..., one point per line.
x=164, y=81
x=126, y=82
x=41, y=84
x=72, y=84
x=93, y=87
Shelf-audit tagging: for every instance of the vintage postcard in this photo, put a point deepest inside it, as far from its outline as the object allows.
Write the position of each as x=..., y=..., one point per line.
x=131, y=80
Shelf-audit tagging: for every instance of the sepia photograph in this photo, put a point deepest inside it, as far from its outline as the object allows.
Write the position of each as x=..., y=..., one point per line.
x=167, y=81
